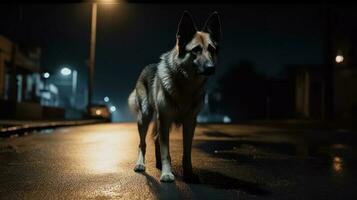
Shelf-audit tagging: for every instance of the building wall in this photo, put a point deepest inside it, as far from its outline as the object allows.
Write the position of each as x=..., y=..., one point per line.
x=346, y=92
x=26, y=105
x=302, y=103
x=28, y=110
x=2, y=77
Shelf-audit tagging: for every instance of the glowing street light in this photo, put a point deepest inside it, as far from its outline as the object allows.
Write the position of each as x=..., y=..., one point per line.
x=65, y=71
x=106, y=99
x=46, y=75
x=113, y=108
x=339, y=58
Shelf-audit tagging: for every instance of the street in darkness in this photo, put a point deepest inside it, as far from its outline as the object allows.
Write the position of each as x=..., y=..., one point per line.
x=272, y=88
x=232, y=162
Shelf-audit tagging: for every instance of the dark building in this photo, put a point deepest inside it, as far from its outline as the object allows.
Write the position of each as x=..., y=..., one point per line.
x=308, y=91
x=22, y=98
x=310, y=88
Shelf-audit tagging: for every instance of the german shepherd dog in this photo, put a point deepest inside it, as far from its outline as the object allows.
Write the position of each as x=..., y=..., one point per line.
x=172, y=92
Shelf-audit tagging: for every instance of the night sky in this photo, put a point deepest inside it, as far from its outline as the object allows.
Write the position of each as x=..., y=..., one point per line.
x=130, y=36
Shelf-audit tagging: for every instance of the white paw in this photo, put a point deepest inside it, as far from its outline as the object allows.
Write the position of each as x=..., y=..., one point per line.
x=139, y=168
x=167, y=177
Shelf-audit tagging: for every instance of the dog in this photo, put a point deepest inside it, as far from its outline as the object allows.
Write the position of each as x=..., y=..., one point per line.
x=172, y=92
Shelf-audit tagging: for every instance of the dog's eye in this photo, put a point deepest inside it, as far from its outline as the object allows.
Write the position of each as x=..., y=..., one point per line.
x=211, y=49
x=197, y=49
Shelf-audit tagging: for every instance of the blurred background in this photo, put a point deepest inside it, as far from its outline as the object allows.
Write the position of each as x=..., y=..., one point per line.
x=279, y=61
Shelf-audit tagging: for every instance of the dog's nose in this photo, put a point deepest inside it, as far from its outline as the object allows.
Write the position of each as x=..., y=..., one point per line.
x=208, y=64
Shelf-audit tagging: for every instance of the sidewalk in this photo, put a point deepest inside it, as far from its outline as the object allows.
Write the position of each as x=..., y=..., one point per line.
x=8, y=127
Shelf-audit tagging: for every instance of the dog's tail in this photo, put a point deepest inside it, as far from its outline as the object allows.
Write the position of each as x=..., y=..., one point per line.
x=132, y=102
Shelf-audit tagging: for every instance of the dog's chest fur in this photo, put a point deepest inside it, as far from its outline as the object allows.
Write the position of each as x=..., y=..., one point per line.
x=178, y=90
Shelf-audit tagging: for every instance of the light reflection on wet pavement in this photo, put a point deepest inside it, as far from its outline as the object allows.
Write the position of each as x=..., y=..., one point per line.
x=232, y=162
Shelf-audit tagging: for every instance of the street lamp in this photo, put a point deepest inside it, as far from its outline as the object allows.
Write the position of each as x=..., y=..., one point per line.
x=113, y=108
x=46, y=75
x=92, y=55
x=339, y=59
x=91, y=62
x=65, y=71
x=106, y=99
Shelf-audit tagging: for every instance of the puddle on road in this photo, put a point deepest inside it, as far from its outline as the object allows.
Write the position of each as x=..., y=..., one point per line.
x=336, y=159
x=305, y=170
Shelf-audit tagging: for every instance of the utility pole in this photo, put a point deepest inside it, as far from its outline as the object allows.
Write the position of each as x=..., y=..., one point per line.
x=92, y=55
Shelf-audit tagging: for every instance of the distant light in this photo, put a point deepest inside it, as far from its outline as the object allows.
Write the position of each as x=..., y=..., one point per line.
x=65, y=71
x=226, y=119
x=106, y=99
x=108, y=1
x=337, y=164
x=339, y=58
x=46, y=75
x=113, y=108
x=337, y=159
x=98, y=112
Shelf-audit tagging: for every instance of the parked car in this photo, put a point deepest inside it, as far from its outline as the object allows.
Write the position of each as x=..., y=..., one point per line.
x=100, y=111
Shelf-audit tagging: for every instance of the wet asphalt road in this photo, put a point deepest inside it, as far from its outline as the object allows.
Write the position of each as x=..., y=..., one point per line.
x=232, y=162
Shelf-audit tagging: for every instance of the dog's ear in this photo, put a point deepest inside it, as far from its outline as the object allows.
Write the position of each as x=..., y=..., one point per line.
x=213, y=26
x=185, y=31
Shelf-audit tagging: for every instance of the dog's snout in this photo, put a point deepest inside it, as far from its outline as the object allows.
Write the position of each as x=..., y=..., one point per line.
x=209, y=65
x=206, y=71
x=209, y=68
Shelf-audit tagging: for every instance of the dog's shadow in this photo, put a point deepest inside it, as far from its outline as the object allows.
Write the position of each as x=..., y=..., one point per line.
x=162, y=190
x=204, y=179
x=221, y=181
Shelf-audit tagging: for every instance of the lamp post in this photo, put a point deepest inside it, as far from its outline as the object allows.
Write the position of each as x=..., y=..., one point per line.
x=46, y=76
x=65, y=71
x=91, y=62
x=92, y=55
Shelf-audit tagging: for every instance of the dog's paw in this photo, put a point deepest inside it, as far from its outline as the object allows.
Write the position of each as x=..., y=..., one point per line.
x=139, y=168
x=167, y=177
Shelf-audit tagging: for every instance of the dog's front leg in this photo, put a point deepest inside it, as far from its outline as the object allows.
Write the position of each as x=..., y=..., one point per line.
x=166, y=173
x=189, y=126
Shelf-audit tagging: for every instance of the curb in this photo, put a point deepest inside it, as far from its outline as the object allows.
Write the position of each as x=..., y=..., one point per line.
x=18, y=129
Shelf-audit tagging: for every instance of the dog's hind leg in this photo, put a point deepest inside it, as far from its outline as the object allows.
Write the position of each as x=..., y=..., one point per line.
x=144, y=118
